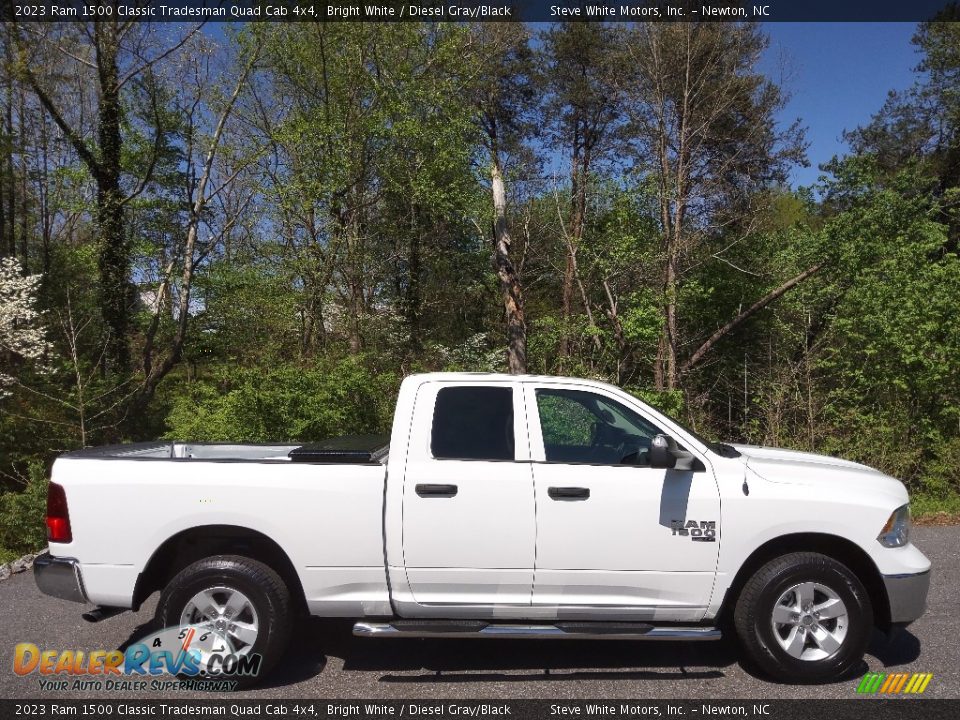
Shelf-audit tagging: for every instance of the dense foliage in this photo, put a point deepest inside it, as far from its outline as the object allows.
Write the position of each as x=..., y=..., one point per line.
x=255, y=233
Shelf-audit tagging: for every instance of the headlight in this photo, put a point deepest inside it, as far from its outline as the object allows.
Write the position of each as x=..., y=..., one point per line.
x=896, y=533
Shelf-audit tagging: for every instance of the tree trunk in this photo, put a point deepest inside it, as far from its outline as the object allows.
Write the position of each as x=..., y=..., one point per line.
x=154, y=373
x=24, y=180
x=668, y=286
x=665, y=370
x=624, y=361
x=506, y=272
x=114, y=256
x=414, y=295
x=7, y=193
x=104, y=167
x=580, y=166
x=43, y=191
x=668, y=337
x=354, y=283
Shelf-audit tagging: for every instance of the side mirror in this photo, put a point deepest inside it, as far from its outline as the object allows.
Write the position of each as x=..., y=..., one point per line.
x=666, y=454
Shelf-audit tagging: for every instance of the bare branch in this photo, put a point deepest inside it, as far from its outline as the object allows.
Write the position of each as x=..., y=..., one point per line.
x=165, y=54
x=78, y=143
x=745, y=315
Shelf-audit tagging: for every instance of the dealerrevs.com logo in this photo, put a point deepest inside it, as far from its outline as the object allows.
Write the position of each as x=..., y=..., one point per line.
x=198, y=655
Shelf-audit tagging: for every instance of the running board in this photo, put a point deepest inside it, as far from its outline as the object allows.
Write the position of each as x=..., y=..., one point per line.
x=570, y=631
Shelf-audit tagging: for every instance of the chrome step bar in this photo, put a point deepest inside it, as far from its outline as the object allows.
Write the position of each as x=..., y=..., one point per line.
x=582, y=631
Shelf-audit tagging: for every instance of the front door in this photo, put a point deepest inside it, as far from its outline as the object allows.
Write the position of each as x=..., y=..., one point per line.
x=468, y=510
x=614, y=536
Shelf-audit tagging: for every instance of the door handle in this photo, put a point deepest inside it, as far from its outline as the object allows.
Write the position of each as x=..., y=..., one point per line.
x=568, y=493
x=436, y=490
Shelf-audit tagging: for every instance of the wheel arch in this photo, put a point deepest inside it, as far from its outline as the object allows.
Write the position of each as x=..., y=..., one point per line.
x=187, y=546
x=834, y=546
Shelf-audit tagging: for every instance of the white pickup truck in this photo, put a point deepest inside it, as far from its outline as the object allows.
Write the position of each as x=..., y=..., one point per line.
x=503, y=506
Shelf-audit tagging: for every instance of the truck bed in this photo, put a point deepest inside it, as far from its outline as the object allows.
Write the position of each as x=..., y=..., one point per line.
x=324, y=510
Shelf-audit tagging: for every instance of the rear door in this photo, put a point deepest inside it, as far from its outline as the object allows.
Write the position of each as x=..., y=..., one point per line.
x=609, y=542
x=468, y=507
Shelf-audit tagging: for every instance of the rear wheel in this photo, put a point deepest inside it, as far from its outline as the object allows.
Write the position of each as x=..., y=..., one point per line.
x=239, y=599
x=804, y=617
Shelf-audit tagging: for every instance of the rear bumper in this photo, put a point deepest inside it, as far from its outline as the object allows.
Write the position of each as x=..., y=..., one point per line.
x=59, y=577
x=907, y=595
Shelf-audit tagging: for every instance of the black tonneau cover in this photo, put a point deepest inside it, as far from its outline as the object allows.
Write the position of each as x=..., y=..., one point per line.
x=346, y=449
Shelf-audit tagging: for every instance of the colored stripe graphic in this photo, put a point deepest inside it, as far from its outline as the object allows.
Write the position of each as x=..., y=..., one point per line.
x=923, y=679
x=900, y=683
x=894, y=683
x=871, y=682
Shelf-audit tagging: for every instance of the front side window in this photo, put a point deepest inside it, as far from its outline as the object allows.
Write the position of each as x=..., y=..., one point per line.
x=473, y=423
x=583, y=427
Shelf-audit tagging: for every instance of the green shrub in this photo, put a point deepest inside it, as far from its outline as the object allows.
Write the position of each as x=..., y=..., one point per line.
x=941, y=478
x=922, y=505
x=286, y=402
x=669, y=402
x=22, y=515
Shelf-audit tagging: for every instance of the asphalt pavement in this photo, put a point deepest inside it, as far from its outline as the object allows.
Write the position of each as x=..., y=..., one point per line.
x=326, y=661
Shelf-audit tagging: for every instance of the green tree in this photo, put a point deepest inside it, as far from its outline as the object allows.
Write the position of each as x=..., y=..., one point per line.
x=583, y=107
x=703, y=122
x=115, y=55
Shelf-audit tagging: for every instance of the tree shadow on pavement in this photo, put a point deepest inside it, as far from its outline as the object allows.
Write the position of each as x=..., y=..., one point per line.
x=900, y=649
x=150, y=625
x=302, y=660
x=413, y=661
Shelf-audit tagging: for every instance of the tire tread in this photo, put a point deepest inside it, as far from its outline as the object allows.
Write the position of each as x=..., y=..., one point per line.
x=278, y=622
x=748, y=605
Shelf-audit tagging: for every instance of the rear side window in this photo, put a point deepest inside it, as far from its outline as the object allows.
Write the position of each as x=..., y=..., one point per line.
x=473, y=423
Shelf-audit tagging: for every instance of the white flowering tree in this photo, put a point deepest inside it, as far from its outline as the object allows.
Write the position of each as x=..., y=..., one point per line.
x=22, y=334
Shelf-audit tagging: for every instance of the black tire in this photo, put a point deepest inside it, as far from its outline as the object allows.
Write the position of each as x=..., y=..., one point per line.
x=266, y=591
x=754, y=613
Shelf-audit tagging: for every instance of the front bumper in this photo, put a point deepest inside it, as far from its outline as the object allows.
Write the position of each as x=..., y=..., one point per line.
x=59, y=577
x=907, y=595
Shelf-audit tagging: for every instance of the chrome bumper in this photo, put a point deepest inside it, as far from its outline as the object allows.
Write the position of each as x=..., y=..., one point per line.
x=907, y=595
x=59, y=577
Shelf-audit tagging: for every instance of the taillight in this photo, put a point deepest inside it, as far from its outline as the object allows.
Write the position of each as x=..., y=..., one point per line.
x=58, y=519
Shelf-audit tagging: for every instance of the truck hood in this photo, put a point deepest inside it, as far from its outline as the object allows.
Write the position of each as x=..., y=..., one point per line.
x=803, y=468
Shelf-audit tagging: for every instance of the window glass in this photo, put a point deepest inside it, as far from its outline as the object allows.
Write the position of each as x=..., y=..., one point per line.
x=583, y=427
x=473, y=423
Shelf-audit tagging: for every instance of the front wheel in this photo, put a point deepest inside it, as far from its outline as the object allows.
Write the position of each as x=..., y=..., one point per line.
x=238, y=599
x=804, y=617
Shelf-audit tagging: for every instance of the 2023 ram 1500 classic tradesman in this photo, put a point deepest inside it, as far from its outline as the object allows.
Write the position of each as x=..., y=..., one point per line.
x=503, y=506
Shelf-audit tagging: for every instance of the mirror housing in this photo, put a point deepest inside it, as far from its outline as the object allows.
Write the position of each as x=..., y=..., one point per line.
x=666, y=454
